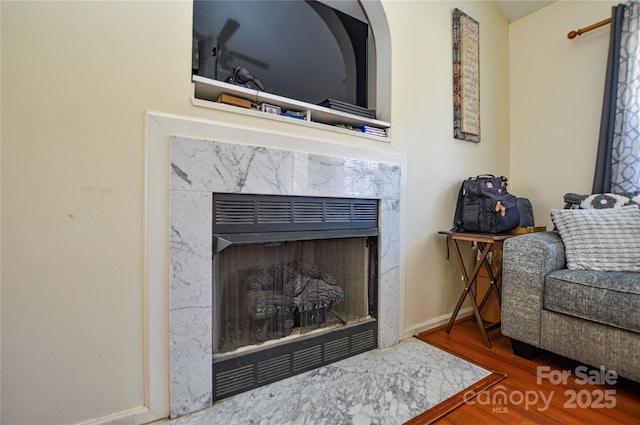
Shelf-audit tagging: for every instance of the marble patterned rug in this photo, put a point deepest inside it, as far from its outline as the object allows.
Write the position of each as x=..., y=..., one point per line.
x=388, y=386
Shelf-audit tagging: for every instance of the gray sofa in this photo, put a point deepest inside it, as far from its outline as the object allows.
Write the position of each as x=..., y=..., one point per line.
x=589, y=316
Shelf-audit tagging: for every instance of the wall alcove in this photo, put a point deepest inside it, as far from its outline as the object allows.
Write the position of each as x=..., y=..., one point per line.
x=207, y=88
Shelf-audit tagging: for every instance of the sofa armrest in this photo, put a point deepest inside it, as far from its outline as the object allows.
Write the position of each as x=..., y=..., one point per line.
x=527, y=259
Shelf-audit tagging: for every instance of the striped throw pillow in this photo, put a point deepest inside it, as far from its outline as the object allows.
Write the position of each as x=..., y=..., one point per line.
x=600, y=239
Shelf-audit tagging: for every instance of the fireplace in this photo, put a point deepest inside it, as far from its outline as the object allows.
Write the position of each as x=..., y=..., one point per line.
x=294, y=285
x=188, y=160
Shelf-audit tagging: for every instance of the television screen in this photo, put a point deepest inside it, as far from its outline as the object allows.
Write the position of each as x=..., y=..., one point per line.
x=300, y=49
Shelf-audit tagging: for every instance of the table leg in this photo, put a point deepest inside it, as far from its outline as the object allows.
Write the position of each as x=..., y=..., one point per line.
x=469, y=279
x=494, y=279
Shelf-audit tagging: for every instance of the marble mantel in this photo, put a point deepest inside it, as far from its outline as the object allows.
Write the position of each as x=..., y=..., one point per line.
x=187, y=160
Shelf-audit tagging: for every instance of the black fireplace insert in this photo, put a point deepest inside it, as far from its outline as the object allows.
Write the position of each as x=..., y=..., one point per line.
x=294, y=285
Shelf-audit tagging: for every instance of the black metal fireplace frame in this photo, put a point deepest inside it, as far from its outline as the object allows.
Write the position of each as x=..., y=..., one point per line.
x=250, y=219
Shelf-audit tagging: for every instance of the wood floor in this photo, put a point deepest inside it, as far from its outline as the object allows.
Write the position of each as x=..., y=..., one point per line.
x=520, y=398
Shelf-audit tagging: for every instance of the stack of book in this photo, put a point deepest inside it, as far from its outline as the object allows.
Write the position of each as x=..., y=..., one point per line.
x=373, y=130
x=338, y=105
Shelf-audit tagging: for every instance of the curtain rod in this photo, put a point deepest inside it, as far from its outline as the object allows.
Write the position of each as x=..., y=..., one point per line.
x=574, y=34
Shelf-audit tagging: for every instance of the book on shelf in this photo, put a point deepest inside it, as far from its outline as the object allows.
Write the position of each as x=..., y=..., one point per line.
x=301, y=115
x=234, y=100
x=367, y=129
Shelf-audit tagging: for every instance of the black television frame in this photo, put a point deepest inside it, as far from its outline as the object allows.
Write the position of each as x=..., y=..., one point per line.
x=358, y=33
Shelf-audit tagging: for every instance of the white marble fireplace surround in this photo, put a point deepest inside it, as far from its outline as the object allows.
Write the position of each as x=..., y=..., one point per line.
x=201, y=157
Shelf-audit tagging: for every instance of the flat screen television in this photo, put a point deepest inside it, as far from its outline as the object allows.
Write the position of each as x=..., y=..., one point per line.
x=300, y=49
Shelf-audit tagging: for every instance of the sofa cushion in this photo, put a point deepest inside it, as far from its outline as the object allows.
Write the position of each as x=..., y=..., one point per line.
x=600, y=239
x=611, y=298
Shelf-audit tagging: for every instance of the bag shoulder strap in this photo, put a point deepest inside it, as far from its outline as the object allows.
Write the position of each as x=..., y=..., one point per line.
x=457, y=217
x=485, y=176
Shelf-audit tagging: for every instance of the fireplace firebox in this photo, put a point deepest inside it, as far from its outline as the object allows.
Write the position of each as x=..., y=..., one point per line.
x=294, y=285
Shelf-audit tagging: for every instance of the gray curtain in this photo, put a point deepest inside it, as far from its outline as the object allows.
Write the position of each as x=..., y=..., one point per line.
x=618, y=156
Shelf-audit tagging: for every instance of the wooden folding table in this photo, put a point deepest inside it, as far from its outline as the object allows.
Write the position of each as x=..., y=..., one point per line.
x=485, y=243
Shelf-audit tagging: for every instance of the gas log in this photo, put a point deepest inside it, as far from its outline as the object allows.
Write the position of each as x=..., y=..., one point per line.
x=290, y=293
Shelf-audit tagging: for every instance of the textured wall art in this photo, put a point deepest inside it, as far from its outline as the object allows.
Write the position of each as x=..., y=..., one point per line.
x=466, y=77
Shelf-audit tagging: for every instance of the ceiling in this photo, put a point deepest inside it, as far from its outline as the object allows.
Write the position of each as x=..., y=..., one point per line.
x=516, y=9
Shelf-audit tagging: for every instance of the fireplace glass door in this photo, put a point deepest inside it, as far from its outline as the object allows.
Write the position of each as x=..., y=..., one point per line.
x=279, y=290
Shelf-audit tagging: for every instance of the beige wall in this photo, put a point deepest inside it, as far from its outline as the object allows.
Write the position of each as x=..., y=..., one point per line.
x=77, y=78
x=556, y=87
x=422, y=112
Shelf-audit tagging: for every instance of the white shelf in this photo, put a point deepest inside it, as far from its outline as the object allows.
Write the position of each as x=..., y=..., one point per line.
x=207, y=92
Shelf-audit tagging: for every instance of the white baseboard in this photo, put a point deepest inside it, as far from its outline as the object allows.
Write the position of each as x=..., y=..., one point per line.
x=434, y=323
x=133, y=416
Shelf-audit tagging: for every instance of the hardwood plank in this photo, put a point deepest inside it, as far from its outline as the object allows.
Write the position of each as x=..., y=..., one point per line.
x=523, y=398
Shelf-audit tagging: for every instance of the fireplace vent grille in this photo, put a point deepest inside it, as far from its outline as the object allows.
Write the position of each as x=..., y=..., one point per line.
x=236, y=380
x=362, y=340
x=307, y=358
x=336, y=349
x=237, y=374
x=270, y=369
x=242, y=213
